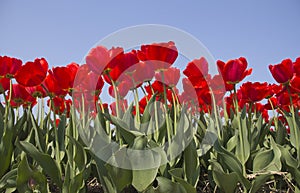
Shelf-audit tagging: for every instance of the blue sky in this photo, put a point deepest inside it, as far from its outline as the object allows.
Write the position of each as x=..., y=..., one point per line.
x=264, y=31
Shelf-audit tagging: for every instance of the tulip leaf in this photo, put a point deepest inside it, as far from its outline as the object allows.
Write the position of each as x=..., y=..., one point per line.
x=44, y=160
x=166, y=186
x=28, y=179
x=226, y=181
x=9, y=177
x=258, y=182
x=191, y=164
x=232, y=163
x=177, y=174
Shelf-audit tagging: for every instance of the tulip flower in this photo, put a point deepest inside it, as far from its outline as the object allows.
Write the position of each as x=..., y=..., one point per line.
x=253, y=92
x=9, y=66
x=32, y=73
x=234, y=71
x=282, y=72
x=163, y=55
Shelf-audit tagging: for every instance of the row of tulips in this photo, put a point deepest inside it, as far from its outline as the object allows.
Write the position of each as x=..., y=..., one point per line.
x=254, y=128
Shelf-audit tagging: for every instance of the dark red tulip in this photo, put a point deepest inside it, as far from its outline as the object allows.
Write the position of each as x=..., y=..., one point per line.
x=234, y=71
x=32, y=73
x=282, y=72
x=297, y=66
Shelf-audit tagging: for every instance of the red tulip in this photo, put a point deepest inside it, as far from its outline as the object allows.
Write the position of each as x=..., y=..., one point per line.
x=129, y=59
x=163, y=55
x=253, y=92
x=97, y=59
x=36, y=91
x=32, y=73
x=19, y=96
x=101, y=60
x=9, y=66
x=123, y=105
x=65, y=76
x=234, y=71
x=169, y=77
x=60, y=105
x=282, y=72
x=297, y=66
x=52, y=86
x=197, y=68
x=4, y=84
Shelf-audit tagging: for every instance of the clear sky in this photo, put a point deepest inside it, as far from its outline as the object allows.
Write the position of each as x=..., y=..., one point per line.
x=264, y=31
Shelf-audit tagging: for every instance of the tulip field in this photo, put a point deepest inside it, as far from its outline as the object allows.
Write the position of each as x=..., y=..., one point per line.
x=214, y=133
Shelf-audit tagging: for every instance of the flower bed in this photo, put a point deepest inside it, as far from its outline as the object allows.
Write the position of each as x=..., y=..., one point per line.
x=57, y=133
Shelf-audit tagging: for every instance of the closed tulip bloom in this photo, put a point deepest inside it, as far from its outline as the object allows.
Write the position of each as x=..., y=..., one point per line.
x=234, y=71
x=282, y=72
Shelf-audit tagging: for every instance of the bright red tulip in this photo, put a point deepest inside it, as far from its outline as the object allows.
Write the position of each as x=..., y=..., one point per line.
x=9, y=66
x=32, y=73
x=282, y=72
x=163, y=55
x=52, y=86
x=129, y=59
x=4, y=84
x=197, y=68
x=234, y=71
x=60, y=105
x=65, y=76
x=36, y=91
x=253, y=92
x=20, y=96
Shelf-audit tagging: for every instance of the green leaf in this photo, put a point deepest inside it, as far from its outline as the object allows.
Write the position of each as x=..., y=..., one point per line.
x=294, y=124
x=191, y=164
x=141, y=179
x=268, y=160
x=177, y=174
x=128, y=134
x=48, y=164
x=8, y=178
x=6, y=150
x=61, y=132
x=166, y=186
x=258, y=182
x=226, y=181
x=38, y=135
x=80, y=154
x=77, y=183
x=29, y=180
x=290, y=163
x=120, y=176
x=232, y=163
